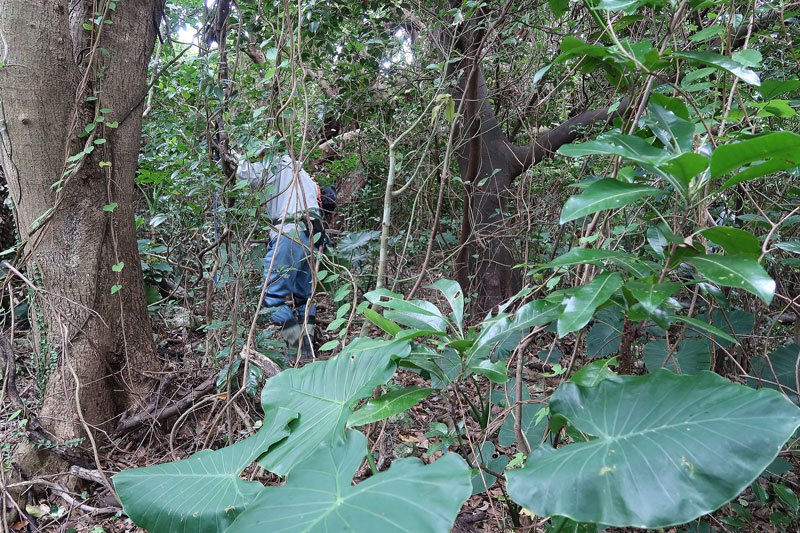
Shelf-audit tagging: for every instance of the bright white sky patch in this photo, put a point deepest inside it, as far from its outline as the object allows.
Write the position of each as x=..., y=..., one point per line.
x=187, y=34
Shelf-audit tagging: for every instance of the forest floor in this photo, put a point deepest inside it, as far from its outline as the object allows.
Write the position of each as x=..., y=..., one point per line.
x=207, y=424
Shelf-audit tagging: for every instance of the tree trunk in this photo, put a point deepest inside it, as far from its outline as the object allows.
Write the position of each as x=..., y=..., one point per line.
x=488, y=168
x=485, y=258
x=78, y=222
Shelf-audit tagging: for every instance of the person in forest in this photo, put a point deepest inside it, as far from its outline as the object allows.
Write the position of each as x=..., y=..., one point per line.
x=293, y=205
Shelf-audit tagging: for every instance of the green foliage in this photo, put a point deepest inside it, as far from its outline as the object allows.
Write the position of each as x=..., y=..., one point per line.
x=388, y=404
x=323, y=394
x=642, y=484
x=318, y=495
x=603, y=194
x=651, y=464
x=675, y=253
x=202, y=493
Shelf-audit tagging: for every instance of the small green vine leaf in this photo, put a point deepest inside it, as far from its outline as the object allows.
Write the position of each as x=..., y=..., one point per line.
x=118, y=267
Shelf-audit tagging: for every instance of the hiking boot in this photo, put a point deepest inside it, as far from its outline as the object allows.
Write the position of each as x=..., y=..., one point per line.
x=291, y=331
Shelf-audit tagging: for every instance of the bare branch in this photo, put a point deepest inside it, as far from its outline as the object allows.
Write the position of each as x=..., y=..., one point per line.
x=547, y=144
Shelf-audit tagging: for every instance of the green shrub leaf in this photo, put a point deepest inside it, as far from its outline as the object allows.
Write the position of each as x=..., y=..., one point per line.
x=734, y=240
x=738, y=271
x=413, y=313
x=384, y=323
x=651, y=295
x=581, y=306
x=387, y=405
x=604, y=194
x=769, y=153
x=692, y=356
x=721, y=62
x=451, y=290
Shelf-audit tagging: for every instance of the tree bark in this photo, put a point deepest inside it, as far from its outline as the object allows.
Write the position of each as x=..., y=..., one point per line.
x=485, y=261
x=57, y=78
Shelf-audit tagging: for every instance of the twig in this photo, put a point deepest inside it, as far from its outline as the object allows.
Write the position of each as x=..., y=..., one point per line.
x=522, y=440
x=62, y=493
x=180, y=419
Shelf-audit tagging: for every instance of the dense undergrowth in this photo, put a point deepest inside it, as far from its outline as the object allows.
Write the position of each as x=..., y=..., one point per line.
x=643, y=374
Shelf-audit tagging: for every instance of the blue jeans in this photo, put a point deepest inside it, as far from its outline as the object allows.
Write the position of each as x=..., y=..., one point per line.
x=291, y=274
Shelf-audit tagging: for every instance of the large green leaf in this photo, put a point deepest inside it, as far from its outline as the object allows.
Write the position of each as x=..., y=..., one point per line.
x=722, y=62
x=384, y=323
x=605, y=336
x=668, y=449
x=768, y=153
x=686, y=166
x=629, y=6
x=595, y=372
x=651, y=294
x=319, y=495
x=443, y=366
x=396, y=348
x=778, y=371
x=738, y=271
x=789, y=246
x=604, y=194
x=635, y=266
x=324, y=394
x=769, y=89
x=581, y=306
x=497, y=330
x=580, y=256
x=728, y=325
x=533, y=426
x=202, y=493
x=482, y=480
x=692, y=356
x=628, y=146
x=387, y=405
x=496, y=372
x=559, y=7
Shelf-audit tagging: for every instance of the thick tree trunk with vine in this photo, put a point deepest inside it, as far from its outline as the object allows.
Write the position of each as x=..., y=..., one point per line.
x=484, y=260
x=484, y=265
x=56, y=79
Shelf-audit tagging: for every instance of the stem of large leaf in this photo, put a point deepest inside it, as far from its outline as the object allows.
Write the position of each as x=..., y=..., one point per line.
x=522, y=443
x=625, y=359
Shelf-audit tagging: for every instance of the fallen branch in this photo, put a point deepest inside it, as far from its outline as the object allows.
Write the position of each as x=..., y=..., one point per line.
x=64, y=494
x=131, y=423
x=89, y=475
x=267, y=365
